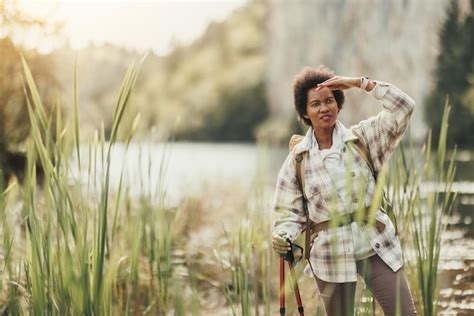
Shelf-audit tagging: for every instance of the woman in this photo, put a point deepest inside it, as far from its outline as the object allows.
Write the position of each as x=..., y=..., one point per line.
x=338, y=181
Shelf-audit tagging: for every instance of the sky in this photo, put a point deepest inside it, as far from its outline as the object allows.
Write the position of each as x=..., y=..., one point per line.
x=139, y=25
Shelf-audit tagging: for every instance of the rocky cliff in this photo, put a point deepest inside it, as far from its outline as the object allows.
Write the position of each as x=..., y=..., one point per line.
x=392, y=40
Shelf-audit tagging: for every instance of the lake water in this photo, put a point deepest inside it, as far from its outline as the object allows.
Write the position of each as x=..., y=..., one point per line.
x=196, y=169
x=190, y=169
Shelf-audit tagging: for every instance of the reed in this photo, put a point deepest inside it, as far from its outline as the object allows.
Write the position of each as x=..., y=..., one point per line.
x=10, y=275
x=89, y=249
x=242, y=265
x=428, y=218
x=68, y=261
x=83, y=248
x=419, y=190
x=247, y=259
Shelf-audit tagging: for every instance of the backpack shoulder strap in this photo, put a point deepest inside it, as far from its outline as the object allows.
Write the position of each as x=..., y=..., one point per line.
x=299, y=172
x=300, y=177
x=361, y=146
x=363, y=150
x=295, y=139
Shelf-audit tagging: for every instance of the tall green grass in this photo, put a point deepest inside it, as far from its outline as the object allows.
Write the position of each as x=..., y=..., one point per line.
x=246, y=266
x=419, y=187
x=82, y=248
x=428, y=224
x=85, y=245
x=66, y=250
x=419, y=214
x=247, y=258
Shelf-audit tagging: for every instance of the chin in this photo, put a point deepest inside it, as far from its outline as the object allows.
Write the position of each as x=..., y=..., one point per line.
x=326, y=125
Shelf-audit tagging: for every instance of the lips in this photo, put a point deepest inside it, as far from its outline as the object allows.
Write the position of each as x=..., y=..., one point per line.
x=325, y=117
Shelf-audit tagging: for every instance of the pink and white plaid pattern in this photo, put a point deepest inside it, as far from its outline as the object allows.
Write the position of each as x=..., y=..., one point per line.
x=332, y=253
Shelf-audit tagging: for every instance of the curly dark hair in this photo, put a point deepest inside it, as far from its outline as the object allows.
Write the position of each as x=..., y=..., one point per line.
x=309, y=78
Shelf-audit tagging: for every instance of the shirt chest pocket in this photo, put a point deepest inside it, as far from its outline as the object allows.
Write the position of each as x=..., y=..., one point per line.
x=357, y=164
x=317, y=206
x=360, y=177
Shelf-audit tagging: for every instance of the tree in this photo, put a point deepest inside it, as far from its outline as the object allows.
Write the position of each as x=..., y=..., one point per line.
x=236, y=119
x=14, y=122
x=455, y=77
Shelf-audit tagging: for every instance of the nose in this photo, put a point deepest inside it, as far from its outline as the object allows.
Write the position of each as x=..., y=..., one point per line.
x=324, y=107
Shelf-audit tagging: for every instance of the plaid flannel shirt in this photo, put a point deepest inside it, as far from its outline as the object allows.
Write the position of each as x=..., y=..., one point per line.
x=332, y=252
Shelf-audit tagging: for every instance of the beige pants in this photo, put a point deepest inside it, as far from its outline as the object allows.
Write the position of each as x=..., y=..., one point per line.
x=389, y=288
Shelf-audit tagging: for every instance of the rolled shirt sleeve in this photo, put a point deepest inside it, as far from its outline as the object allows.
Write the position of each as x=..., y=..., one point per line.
x=383, y=132
x=288, y=202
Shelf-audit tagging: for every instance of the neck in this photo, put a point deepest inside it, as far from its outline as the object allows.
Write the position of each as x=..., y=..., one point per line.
x=324, y=137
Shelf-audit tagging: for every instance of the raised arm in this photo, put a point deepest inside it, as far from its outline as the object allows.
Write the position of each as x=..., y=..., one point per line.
x=382, y=132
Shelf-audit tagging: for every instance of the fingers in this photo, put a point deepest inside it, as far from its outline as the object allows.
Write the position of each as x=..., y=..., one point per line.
x=338, y=83
x=332, y=84
x=327, y=83
x=333, y=79
x=333, y=87
x=280, y=244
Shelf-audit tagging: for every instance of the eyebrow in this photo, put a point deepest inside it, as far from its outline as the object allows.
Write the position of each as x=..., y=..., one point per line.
x=318, y=100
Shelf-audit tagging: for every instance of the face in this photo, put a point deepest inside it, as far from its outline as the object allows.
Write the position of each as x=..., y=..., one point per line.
x=321, y=108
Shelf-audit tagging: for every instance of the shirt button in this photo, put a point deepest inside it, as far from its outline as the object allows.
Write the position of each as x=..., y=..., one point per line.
x=353, y=174
x=377, y=245
x=355, y=200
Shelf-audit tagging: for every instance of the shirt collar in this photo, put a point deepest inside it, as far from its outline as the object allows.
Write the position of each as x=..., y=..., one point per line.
x=336, y=139
x=346, y=135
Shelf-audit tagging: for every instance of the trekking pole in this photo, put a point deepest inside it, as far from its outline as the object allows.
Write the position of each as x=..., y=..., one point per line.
x=282, y=285
x=296, y=288
x=289, y=256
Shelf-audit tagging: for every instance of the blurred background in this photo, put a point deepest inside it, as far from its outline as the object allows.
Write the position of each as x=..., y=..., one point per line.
x=217, y=82
x=230, y=64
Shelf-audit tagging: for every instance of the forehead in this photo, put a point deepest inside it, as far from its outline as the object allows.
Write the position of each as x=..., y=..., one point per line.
x=322, y=94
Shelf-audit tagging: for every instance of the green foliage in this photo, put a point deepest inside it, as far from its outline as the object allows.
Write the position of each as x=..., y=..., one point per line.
x=212, y=89
x=79, y=248
x=96, y=252
x=247, y=266
x=420, y=189
x=241, y=110
x=14, y=123
x=186, y=93
x=455, y=78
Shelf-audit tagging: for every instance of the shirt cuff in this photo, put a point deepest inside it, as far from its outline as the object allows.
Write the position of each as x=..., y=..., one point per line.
x=380, y=89
x=285, y=231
